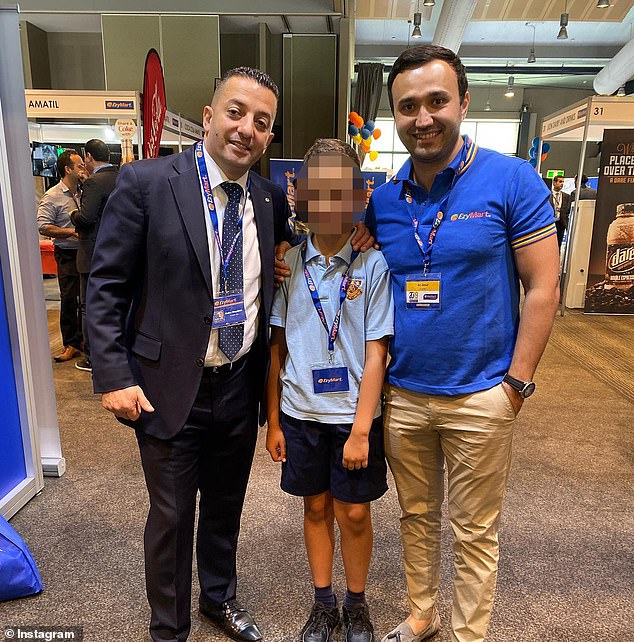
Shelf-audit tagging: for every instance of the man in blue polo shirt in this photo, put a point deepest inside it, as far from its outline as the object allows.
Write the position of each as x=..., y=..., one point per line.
x=459, y=226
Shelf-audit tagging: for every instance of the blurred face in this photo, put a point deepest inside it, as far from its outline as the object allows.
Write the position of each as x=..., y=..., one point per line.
x=558, y=183
x=329, y=194
x=78, y=172
x=238, y=124
x=428, y=113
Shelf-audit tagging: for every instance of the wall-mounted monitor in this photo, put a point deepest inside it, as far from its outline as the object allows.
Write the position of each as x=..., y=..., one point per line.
x=44, y=157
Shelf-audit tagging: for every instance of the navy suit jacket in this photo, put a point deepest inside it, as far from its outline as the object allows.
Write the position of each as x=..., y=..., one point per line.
x=149, y=299
x=95, y=193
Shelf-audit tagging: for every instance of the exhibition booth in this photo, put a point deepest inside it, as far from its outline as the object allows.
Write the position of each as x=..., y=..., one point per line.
x=584, y=121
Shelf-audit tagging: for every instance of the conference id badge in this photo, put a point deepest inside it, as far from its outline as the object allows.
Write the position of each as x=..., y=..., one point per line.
x=422, y=291
x=330, y=379
x=228, y=310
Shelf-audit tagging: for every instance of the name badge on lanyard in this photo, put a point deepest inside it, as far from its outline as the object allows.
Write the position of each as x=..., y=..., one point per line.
x=228, y=305
x=330, y=377
x=424, y=291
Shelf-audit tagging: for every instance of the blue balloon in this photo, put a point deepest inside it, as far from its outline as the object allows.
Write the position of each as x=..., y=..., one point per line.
x=353, y=130
x=545, y=148
x=532, y=152
x=533, y=162
x=369, y=125
x=536, y=141
x=365, y=133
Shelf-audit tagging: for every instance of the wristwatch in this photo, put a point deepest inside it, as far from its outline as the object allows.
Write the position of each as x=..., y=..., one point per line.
x=525, y=388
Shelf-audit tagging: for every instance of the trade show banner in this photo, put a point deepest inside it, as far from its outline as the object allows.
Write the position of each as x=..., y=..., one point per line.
x=283, y=173
x=154, y=105
x=610, y=286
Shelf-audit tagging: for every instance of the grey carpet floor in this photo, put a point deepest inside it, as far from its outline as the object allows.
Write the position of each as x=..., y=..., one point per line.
x=566, y=572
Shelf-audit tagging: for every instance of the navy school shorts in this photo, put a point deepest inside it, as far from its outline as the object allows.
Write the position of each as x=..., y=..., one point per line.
x=314, y=452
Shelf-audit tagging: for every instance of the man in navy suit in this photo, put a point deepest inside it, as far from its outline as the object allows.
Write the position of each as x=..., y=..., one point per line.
x=179, y=297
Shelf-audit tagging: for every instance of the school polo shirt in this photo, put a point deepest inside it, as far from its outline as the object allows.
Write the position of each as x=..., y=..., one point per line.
x=497, y=205
x=367, y=314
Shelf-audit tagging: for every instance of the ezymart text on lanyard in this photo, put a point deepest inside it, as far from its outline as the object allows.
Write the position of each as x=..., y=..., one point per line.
x=423, y=291
x=228, y=305
x=329, y=377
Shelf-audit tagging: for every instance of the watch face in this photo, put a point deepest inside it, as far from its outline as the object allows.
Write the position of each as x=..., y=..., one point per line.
x=528, y=390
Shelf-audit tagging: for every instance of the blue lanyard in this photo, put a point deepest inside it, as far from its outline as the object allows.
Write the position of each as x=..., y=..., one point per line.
x=314, y=294
x=211, y=208
x=468, y=153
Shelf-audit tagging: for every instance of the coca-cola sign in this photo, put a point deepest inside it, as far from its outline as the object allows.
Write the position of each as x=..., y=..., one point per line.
x=154, y=104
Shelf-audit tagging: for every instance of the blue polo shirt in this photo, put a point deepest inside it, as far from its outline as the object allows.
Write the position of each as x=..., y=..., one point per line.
x=497, y=204
x=367, y=315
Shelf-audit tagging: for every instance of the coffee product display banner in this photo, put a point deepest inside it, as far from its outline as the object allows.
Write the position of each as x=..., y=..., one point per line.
x=610, y=286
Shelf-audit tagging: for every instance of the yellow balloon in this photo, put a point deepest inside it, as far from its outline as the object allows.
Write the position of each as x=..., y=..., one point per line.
x=357, y=138
x=374, y=155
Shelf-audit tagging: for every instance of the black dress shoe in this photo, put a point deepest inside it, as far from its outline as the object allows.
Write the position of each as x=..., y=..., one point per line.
x=233, y=619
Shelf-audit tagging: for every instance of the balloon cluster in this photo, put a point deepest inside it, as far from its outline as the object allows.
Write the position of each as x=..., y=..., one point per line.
x=363, y=133
x=534, y=150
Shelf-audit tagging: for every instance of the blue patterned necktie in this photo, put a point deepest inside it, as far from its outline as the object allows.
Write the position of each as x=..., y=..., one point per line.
x=230, y=338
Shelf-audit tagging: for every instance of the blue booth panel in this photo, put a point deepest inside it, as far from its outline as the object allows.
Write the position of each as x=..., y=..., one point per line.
x=12, y=464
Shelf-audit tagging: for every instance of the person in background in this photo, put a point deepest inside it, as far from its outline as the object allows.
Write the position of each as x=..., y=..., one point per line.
x=331, y=322
x=561, y=206
x=585, y=193
x=462, y=357
x=95, y=192
x=53, y=220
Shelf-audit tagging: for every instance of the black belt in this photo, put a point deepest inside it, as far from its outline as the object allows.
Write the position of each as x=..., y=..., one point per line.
x=224, y=370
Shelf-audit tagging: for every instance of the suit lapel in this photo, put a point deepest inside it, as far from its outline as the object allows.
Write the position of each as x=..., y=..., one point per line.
x=186, y=187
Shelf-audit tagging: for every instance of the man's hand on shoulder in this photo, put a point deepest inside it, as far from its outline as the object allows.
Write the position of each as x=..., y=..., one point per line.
x=362, y=239
x=282, y=271
x=126, y=403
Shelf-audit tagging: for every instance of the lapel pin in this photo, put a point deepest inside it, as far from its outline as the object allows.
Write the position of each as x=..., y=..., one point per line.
x=267, y=199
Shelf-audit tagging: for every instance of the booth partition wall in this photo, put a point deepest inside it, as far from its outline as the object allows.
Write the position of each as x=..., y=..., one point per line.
x=29, y=436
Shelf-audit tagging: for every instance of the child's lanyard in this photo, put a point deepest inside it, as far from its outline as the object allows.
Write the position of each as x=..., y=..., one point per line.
x=333, y=332
x=211, y=208
x=468, y=153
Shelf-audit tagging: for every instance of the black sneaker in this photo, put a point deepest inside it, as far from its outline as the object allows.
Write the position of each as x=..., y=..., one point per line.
x=321, y=625
x=356, y=624
x=84, y=364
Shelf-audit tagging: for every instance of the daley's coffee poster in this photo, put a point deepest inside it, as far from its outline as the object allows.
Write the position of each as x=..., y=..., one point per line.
x=610, y=287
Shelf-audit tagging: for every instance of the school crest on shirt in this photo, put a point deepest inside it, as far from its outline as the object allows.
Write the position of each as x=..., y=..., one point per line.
x=354, y=289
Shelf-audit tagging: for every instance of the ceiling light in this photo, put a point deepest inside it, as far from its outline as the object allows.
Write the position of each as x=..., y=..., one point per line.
x=603, y=4
x=531, y=56
x=509, y=93
x=563, y=23
x=621, y=91
x=487, y=107
x=429, y=3
x=416, y=32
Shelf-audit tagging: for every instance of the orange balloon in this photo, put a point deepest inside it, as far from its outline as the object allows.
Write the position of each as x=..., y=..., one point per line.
x=544, y=156
x=358, y=121
x=376, y=133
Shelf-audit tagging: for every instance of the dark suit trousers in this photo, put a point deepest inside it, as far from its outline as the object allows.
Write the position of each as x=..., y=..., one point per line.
x=69, y=314
x=83, y=284
x=211, y=454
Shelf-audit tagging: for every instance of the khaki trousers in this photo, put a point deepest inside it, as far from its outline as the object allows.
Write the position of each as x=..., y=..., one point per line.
x=472, y=434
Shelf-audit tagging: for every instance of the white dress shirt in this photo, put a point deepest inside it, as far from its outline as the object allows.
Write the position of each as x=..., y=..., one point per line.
x=251, y=266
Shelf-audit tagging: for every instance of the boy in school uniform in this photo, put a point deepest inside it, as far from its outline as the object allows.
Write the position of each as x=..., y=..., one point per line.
x=331, y=324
